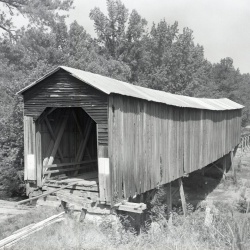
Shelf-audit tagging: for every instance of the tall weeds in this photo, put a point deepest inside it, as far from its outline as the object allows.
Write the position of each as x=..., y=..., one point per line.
x=229, y=229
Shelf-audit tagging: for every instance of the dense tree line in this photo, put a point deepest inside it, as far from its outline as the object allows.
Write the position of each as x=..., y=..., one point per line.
x=162, y=57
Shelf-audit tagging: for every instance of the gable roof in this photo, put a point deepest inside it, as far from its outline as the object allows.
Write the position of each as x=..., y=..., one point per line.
x=109, y=85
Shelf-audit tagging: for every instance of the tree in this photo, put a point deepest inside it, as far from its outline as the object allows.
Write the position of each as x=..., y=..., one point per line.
x=111, y=29
x=38, y=12
x=33, y=52
x=163, y=58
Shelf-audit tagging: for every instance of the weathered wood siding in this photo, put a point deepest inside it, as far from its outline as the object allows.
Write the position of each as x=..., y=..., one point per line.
x=63, y=90
x=152, y=143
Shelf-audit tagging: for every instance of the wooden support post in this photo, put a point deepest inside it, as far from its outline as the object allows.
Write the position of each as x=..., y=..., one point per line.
x=233, y=166
x=203, y=171
x=38, y=152
x=169, y=196
x=82, y=215
x=183, y=199
x=224, y=163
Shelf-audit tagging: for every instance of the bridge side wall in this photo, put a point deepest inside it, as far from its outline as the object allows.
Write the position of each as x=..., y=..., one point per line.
x=152, y=143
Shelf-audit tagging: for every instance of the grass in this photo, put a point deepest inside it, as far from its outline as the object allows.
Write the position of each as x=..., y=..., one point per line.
x=17, y=222
x=229, y=229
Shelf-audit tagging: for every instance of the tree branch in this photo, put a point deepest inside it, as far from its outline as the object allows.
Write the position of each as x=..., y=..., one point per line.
x=9, y=31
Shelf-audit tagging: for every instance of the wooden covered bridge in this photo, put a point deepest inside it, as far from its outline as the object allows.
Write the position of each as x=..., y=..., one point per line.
x=120, y=138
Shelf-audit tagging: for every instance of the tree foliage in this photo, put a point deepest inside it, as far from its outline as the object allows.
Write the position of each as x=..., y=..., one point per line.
x=38, y=12
x=160, y=57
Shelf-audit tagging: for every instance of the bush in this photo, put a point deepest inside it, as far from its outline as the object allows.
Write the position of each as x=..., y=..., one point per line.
x=11, y=150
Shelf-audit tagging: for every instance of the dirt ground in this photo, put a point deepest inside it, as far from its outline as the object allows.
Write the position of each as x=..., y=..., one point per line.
x=230, y=193
x=212, y=188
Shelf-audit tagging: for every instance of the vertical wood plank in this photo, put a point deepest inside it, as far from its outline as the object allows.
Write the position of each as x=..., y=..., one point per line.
x=104, y=174
x=172, y=140
x=110, y=151
x=39, y=163
x=29, y=145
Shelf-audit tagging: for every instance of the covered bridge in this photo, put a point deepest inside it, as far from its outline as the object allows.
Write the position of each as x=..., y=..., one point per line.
x=126, y=138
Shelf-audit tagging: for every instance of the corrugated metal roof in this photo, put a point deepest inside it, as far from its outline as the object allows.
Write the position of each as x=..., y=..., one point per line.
x=109, y=85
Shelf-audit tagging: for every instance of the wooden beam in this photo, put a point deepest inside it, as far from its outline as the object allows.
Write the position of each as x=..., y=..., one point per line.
x=84, y=141
x=214, y=165
x=69, y=164
x=51, y=110
x=77, y=123
x=58, y=139
x=233, y=166
x=53, y=136
x=52, y=142
x=38, y=152
x=45, y=114
x=51, y=192
x=63, y=170
x=169, y=196
x=224, y=163
x=87, y=134
x=183, y=199
x=80, y=131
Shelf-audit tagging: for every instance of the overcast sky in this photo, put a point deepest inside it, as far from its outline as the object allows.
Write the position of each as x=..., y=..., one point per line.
x=221, y=26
